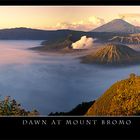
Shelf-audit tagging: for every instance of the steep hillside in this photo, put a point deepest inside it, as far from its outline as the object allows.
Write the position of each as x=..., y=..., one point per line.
x=122, y=98
x=80, y=109
x=58, y=44
x=113, y=54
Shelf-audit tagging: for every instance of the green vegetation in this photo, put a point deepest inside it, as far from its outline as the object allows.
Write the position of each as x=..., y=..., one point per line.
x=80, y=109
x=122, y=98
x=9, y=107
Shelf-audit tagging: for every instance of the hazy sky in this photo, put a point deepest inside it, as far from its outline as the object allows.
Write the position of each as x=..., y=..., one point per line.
x=63, y=17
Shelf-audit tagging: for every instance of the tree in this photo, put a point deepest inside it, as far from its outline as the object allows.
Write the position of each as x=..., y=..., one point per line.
x=9, y=107
x=132, y=75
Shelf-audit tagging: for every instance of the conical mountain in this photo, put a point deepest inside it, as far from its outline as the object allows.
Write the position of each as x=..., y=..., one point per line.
x=117, y=26
x=113, y=54
x=122, y=98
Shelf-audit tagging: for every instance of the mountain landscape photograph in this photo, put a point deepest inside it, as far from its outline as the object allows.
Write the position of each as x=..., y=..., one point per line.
x=69, y=61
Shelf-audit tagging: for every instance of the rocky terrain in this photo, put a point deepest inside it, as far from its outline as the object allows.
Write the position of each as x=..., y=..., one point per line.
x=113, y=54
x=122, y=98
x=55, y=45
x=130, y=39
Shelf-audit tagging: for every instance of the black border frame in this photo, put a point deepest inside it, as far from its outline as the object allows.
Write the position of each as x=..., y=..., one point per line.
x=12, y=127
x=69, y=2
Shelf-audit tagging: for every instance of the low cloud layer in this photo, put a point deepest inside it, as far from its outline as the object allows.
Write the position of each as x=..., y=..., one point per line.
x=83, y=25
x=83, y=43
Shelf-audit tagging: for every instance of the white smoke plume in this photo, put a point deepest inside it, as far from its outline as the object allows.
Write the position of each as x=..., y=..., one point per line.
x=83, y=43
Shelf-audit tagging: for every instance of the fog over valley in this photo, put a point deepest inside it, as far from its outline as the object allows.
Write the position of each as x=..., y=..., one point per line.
x=51, y=82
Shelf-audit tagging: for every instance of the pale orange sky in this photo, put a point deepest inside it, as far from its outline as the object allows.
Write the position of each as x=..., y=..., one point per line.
x=63, y=17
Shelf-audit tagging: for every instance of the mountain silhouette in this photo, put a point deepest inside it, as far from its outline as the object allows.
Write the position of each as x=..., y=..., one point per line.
x=118, y=26
x=23, y=33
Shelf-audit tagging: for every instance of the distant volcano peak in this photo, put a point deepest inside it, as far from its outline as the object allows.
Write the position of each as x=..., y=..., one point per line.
x=118, y=20
x=118, y=26
x=113, y=54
